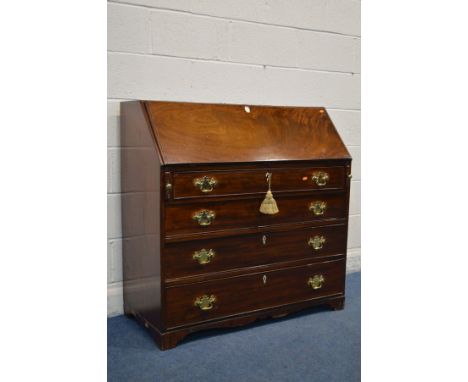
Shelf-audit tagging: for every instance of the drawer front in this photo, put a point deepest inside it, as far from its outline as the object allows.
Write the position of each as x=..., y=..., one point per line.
x=211, y=216
x=214, y=299
x=197, y=184
x=206, y=256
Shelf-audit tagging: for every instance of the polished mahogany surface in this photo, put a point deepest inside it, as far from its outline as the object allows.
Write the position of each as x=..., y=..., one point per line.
x=183, y=164
x=207, y=133
x=141, y=209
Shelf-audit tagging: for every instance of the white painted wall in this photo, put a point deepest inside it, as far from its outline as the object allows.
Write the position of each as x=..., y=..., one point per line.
x=272, y=52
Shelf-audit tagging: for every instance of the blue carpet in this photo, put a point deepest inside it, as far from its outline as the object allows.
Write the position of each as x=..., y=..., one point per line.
x=317, y=345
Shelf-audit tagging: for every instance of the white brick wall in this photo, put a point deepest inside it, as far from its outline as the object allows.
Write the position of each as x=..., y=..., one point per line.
x=276, y=52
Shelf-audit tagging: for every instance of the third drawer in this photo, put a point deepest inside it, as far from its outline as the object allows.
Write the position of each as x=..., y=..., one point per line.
x=200, y=257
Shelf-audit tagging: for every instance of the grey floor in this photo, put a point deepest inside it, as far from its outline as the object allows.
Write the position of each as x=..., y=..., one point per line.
x=316, y=345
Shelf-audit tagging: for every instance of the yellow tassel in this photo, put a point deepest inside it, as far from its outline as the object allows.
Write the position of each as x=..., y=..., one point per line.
x=268, y=206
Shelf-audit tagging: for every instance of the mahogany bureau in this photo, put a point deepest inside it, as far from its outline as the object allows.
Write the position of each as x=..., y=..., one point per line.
x=197, y=251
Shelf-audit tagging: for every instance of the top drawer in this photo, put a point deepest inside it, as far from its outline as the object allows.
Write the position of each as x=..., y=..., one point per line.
x=215, y=183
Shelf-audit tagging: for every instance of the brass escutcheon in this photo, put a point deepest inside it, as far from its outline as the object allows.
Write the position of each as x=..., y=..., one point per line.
x=320, y=178
x=205, y=184
x=316, y=242
x=316, y=281
x=318, y=207
x=204, y=256
x=205, y=302
x=204, y=217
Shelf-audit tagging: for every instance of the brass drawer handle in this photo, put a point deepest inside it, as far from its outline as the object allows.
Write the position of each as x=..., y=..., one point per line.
x=316, y=242
x=205, y=184
x=316, y=282
x=168, y=190
x=318, y=208
x=204, y=217
x=204, y=256
x=205, y=302
x=320, y=178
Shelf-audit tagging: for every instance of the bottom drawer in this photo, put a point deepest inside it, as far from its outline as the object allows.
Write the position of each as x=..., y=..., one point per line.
x=207, y=300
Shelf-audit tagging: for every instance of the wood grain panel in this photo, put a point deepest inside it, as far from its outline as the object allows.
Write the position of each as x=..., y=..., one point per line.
x=210, y=133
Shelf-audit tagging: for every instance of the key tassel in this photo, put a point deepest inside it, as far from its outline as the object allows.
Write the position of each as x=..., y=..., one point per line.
x=268, y=206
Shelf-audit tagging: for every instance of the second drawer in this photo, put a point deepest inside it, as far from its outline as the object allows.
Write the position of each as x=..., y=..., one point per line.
x=215, y=255
x=189, y=218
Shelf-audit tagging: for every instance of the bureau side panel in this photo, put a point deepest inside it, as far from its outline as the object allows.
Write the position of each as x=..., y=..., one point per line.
x=141, y=206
